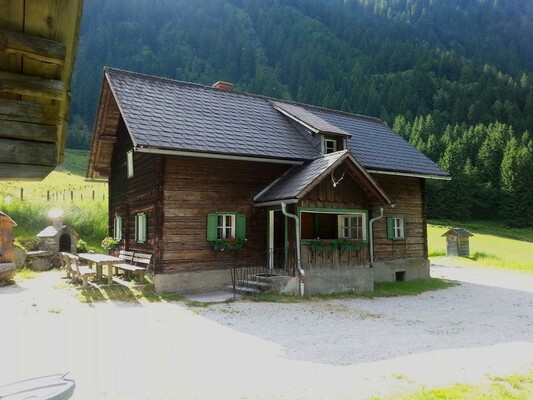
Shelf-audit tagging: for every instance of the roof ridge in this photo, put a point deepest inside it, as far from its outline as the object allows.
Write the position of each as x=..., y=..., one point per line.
x=239, y=93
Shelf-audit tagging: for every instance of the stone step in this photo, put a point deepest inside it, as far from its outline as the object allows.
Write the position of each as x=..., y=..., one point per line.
x=245, y=290
x=256, y=283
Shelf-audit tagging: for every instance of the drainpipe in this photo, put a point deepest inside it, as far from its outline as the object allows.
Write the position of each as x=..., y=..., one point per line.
x=298, y=242
x=371, y=236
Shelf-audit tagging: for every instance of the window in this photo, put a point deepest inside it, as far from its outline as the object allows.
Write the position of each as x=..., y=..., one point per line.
x=130, y=163
x=330, y=146
x=225, y=225
x=352, y=226
x=117, y=228
x=395, y=228
x=141, y=227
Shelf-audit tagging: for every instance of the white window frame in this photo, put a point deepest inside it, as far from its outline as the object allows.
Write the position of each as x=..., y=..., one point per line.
x=223, y=227
x=333, y=146
x=141, y=233
x=117, y=228
x=398, y=228
x=129, y=162
x=350, y=231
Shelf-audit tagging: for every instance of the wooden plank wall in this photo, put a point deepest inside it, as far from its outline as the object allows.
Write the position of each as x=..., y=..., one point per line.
x=408, y=195
x=130, y=196
x=194, y=187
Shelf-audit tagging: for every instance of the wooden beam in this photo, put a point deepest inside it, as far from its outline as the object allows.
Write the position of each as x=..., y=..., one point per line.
x=27, y=131
x=24, y=152
x=30, y=86
x=24, y=111
x=35, y=47
x=10, y=171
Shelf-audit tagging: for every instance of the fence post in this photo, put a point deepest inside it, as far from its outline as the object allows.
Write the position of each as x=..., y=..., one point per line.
x=47, y=195
x=21, y=194
x=93, y=194
x=72, y=195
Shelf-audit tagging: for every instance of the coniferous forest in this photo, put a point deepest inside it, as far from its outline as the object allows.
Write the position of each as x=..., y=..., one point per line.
x=453, y=77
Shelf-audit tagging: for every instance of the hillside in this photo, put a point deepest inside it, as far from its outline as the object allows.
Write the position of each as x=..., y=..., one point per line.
x=454, y=77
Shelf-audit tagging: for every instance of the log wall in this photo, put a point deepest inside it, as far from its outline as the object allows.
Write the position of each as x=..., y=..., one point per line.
x=408, y=195
x=195, y=187
x=130, y=196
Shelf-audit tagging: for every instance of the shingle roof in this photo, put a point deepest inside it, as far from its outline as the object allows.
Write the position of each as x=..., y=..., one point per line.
x=377, y=147
x=303, y=114
x=167, y=114
x=300, y=179
x=457, y=231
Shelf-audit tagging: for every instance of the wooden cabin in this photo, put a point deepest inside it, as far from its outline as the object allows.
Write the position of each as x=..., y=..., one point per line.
x=457, y=242
x=7, y=249
x=38, y=41
x=207, y=179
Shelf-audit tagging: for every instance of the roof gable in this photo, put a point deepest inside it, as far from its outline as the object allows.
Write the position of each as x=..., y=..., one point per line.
x=300, y=180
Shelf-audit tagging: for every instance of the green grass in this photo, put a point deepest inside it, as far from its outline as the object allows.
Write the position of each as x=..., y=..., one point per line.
x=493, y=244
x=385, y=289
x=86, y=216
x=515, y=387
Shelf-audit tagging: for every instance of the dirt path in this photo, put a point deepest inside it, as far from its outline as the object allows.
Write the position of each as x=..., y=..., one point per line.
x=349, y=349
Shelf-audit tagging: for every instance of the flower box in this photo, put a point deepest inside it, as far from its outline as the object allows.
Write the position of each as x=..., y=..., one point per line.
x=230, y=244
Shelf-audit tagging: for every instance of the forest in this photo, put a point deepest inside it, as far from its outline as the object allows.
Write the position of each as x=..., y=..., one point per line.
x=453, y=77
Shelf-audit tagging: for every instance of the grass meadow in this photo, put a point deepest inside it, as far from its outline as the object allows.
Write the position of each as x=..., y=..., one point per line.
x=84, y=203
x=493, y=244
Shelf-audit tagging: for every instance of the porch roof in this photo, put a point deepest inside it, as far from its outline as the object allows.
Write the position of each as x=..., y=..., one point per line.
x=301, y=179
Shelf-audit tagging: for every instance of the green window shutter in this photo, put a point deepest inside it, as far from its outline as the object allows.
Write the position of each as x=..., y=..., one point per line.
x=390, y=228
x=145, y=233
x=404, y=228
x=137, y=227
x=240, y=230
x=212, y=221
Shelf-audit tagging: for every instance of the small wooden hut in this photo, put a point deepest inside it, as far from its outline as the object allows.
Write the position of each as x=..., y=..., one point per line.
x=7, y=250
x=457, y=242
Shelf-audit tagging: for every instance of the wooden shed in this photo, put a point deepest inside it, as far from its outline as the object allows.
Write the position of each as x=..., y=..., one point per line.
x=38, y=42
x=457, y=242
x=7, y=250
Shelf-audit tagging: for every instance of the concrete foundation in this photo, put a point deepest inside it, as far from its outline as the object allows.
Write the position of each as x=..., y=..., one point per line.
x=193, y=282
x=331, y=280
x=408, y=269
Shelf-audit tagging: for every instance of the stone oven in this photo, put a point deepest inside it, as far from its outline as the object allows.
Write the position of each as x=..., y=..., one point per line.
x=53, y=239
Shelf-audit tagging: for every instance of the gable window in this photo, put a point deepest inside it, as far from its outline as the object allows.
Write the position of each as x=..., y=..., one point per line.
x=141, y=227
x=330, y=146
x=395, y=228
x=129, y=158
x=225, y=225
x=352, y=226
x=117, y=228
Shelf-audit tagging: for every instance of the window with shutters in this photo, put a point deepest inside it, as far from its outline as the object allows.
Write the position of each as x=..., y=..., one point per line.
x=225, y=225
x=396, y=228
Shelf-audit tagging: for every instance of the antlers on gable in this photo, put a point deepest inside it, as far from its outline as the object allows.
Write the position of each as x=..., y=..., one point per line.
x=336, y=182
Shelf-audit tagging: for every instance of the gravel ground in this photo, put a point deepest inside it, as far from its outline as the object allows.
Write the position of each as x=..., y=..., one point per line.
x=340, y=349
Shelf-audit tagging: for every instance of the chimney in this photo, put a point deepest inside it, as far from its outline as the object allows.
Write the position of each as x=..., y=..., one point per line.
x=223, y=86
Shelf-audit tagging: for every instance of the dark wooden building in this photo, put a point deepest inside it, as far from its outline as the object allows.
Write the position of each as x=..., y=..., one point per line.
x=207, y=179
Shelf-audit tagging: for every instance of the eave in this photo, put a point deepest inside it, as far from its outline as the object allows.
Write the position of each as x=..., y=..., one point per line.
x=38, y=43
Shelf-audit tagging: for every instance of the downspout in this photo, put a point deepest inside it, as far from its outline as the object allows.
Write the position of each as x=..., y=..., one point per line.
x=298, y=250
x=371, y=235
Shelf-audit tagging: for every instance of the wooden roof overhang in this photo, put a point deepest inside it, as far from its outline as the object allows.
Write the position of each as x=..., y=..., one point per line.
x=105, y=134
x=38, y=42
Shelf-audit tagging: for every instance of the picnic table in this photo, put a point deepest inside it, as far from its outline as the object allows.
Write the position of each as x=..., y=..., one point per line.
x=100, y=260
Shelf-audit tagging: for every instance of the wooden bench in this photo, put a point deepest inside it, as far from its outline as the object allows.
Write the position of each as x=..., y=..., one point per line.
x=137, y=263
x=79, y=271
x=65, y=263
